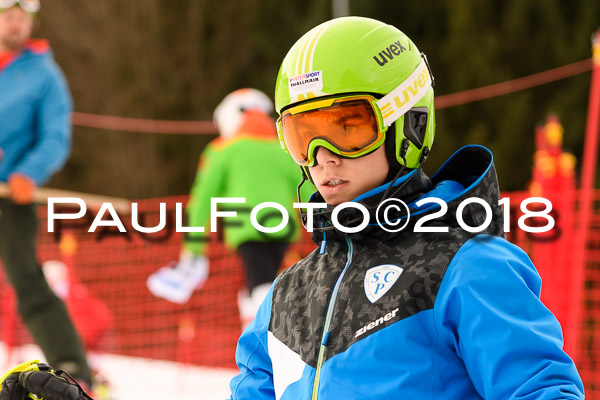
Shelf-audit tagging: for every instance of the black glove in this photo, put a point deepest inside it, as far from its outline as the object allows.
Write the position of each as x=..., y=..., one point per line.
x=44, y=382
x=11, y=389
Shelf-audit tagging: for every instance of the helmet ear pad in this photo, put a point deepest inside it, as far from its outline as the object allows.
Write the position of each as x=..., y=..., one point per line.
x=415, y=125
x=407, y=136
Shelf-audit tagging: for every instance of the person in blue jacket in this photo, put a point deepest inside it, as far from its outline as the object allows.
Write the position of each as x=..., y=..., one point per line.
x=35, y=140
x=413, y=291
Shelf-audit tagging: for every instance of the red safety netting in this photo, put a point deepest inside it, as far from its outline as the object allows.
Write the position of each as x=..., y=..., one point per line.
x=108, y=271
x=553, y=255
x=116, y=313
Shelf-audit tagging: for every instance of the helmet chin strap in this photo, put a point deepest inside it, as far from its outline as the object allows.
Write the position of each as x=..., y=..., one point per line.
x=325, y=216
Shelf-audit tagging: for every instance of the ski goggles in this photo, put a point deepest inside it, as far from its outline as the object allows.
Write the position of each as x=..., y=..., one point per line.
x=349, y=126
x=31, y=6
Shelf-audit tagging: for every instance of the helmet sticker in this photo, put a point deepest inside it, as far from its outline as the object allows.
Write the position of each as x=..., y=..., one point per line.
x=406, y=95
x=395, y=49
x=305, y=83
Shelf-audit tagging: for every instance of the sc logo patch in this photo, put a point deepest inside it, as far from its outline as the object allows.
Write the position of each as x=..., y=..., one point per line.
x=380, y=279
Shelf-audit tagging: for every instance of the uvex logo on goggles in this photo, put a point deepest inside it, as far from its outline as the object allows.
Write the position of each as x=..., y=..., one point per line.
x=406, y=95
x=31, y=6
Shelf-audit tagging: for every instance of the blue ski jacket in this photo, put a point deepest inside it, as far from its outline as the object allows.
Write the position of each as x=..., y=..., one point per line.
x=431, y=312
x=35, y=116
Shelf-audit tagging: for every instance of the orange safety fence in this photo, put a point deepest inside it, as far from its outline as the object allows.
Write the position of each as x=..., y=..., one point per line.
x=111, y=269
x=116, y=313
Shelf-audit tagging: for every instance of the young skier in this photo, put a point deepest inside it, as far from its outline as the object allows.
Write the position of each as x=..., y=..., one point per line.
x=434, y=310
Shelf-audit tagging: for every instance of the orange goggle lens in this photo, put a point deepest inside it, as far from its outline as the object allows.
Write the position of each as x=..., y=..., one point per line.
x=350, y=126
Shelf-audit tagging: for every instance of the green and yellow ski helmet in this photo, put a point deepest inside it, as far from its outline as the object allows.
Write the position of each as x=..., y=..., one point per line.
x=356, y=55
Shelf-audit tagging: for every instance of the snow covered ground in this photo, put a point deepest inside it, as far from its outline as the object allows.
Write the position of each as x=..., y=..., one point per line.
x=137, y=378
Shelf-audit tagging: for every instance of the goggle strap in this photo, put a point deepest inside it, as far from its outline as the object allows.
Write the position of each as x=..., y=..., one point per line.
x=397, y=102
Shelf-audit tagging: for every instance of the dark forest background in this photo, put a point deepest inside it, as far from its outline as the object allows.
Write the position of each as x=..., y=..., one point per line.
x=177, y=59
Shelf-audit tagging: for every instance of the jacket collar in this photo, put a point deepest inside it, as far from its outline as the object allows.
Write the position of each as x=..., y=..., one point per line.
x=34, y=46
x=471, y=173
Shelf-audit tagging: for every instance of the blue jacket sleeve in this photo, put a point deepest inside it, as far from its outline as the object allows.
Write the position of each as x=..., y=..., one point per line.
x=53, y=130
x=255, y=380
x=488, y=310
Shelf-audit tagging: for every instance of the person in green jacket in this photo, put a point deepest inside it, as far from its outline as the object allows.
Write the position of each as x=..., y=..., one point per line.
x=246, y=161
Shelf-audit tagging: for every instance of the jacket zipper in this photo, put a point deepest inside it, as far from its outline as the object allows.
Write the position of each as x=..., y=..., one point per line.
x=325, y=339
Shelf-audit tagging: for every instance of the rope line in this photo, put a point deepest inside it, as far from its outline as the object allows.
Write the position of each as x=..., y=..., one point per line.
x=143, y=125
x=445, y=101
x=514, y=85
